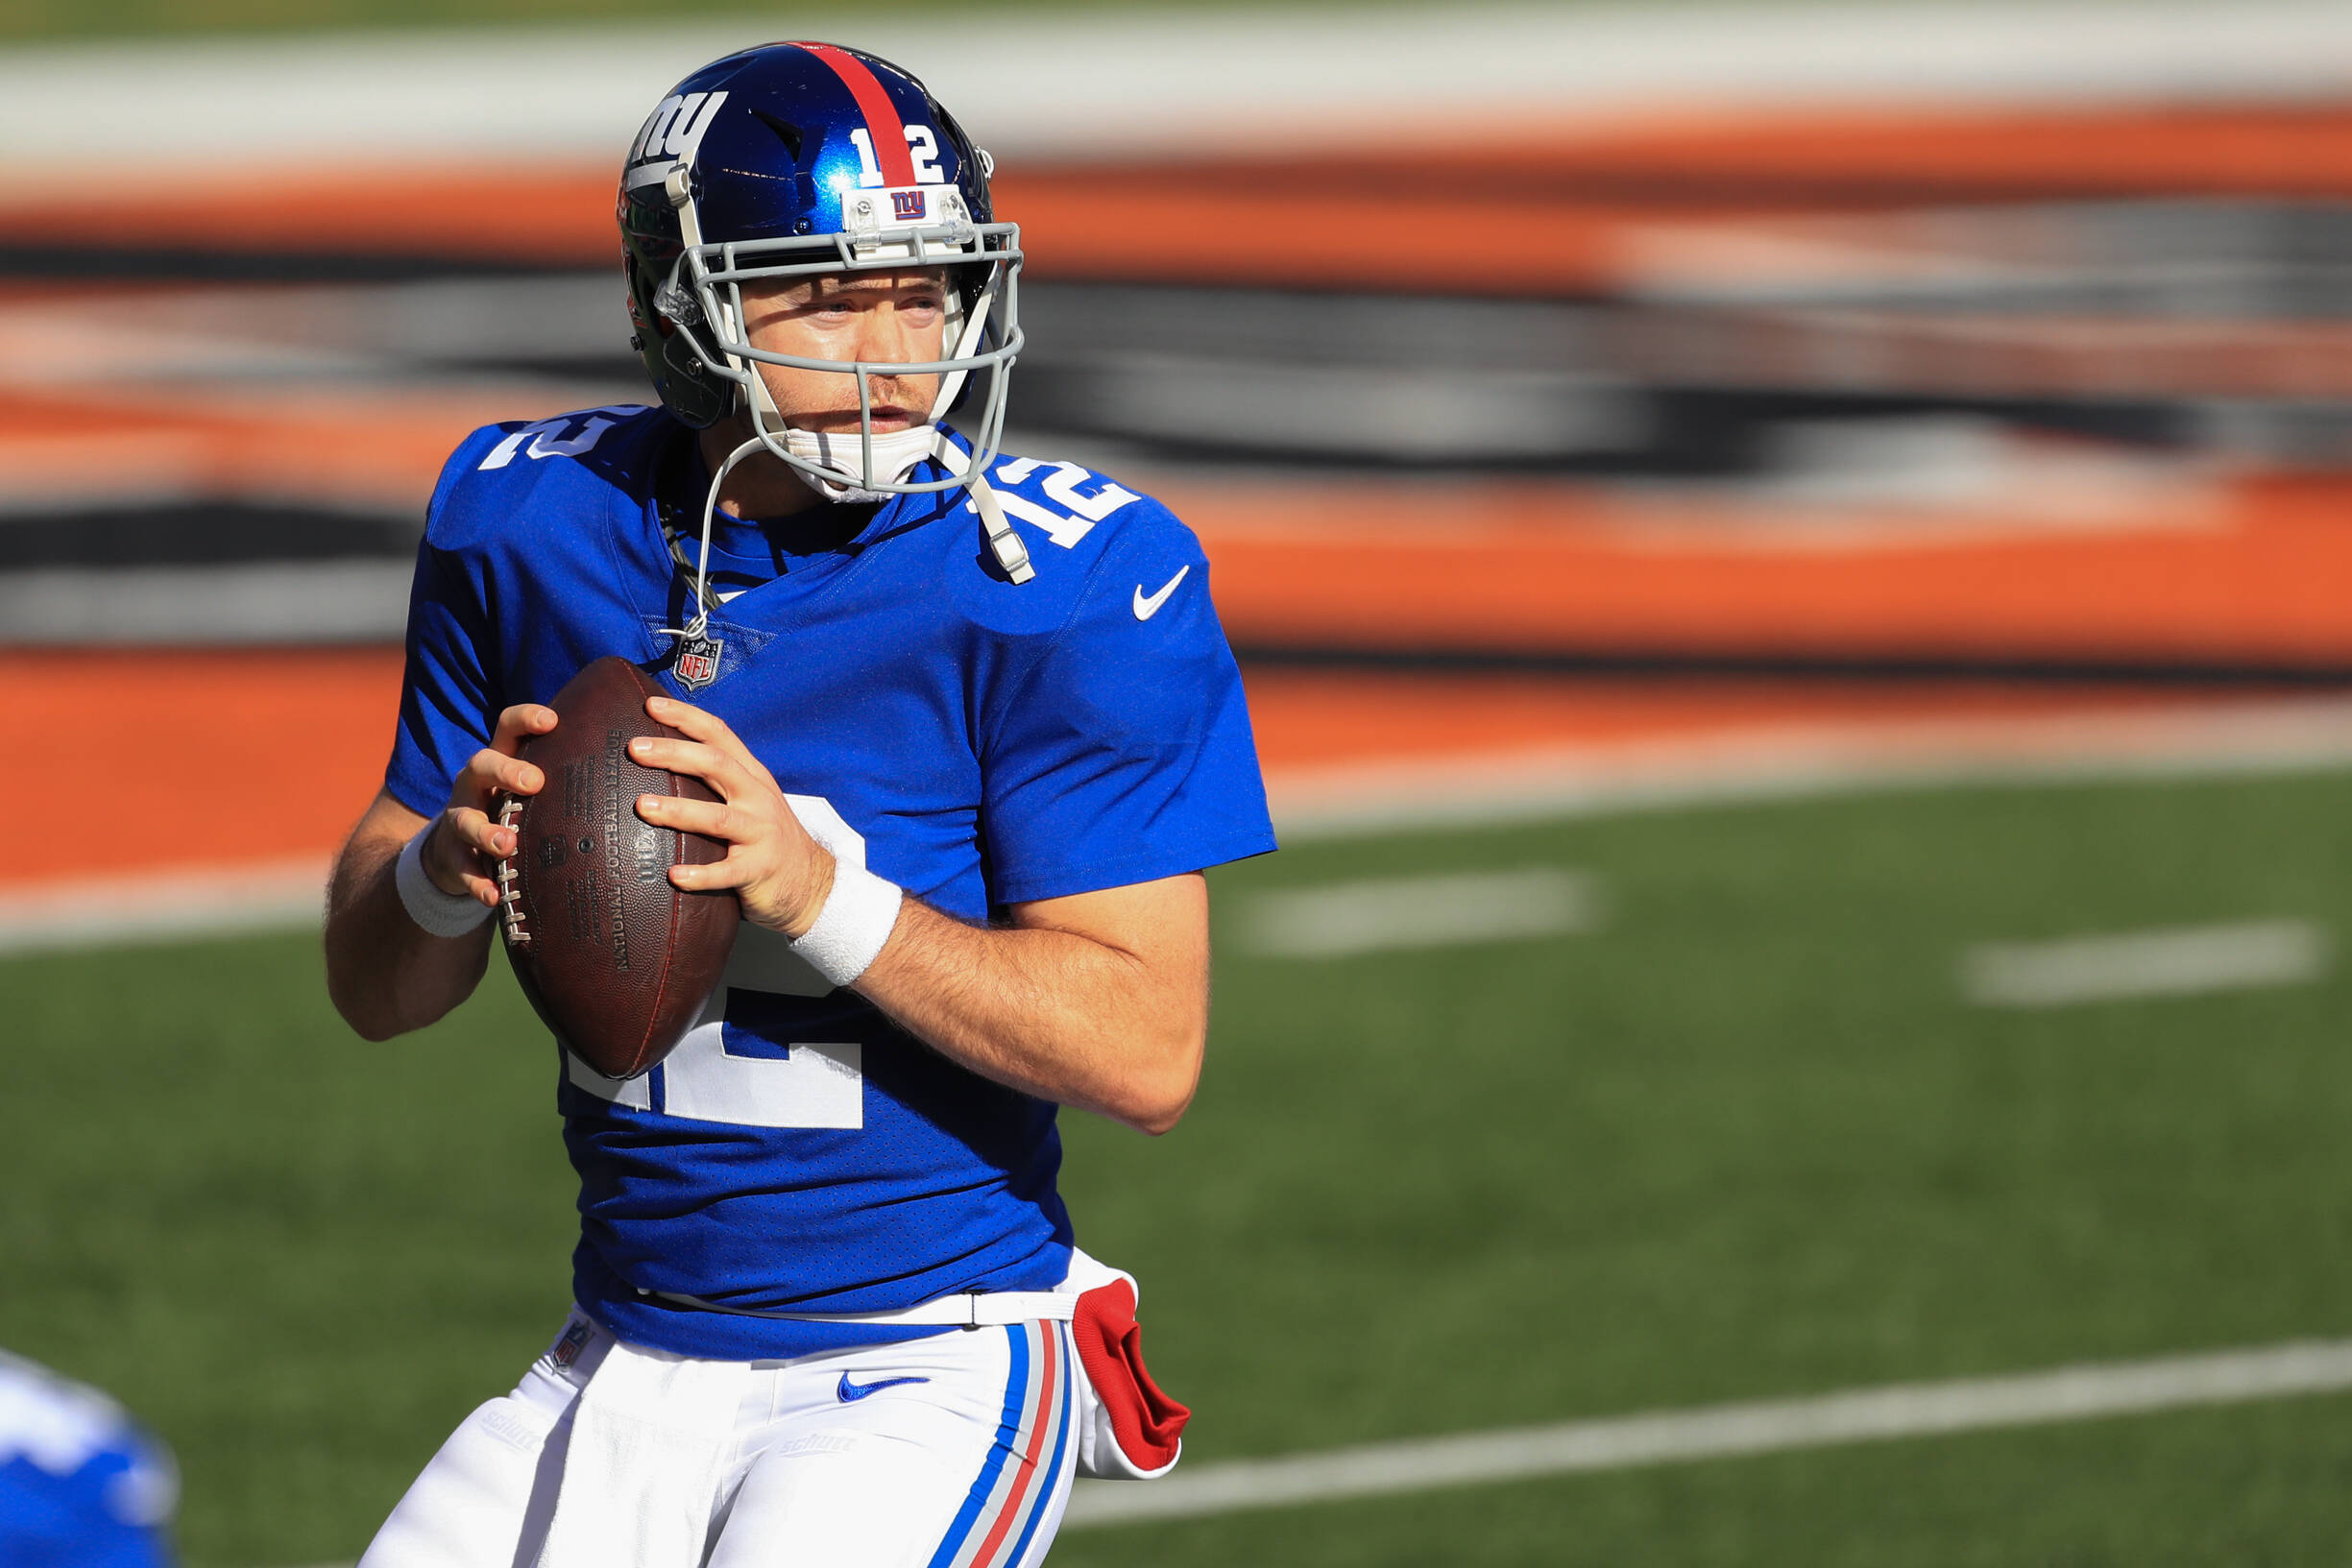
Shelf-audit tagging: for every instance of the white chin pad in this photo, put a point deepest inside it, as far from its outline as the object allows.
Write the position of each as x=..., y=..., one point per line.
x=896, y=452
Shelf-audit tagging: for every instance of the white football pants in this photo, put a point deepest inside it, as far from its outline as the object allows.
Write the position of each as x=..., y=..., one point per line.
x=951, y=1451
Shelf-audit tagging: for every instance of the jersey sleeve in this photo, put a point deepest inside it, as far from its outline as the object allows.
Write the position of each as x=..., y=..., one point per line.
x=1124, y=753
x=450, y=693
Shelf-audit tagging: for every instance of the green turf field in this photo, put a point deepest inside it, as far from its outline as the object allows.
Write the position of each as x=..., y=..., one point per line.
x=1744, y=1142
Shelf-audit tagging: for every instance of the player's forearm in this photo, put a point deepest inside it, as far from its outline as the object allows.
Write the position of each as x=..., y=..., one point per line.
x=1051, y=1013
x=385, y=975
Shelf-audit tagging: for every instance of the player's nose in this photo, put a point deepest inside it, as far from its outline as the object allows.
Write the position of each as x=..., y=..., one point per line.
x=887, y=337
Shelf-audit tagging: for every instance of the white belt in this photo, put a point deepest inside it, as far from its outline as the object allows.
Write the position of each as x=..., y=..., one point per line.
x=974, y=1308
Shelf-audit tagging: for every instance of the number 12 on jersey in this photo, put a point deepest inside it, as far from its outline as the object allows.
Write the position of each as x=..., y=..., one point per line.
x=820, y=1084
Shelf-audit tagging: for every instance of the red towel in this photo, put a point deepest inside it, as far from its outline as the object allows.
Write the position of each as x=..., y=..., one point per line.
x=1144, y=1421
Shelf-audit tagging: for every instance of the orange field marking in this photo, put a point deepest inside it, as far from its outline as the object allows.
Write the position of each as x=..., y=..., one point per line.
x=556, y=215
x=2256, y=569
x=263, y=757
x=191, y=758
x=1386, y=566
x=2263, y=571
x=1320, y=719
x=1867, y=154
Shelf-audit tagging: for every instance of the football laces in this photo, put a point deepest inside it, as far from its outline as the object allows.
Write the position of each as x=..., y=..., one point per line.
x=510, y=880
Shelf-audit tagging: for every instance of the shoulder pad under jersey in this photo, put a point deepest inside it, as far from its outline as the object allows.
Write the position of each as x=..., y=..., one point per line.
x=579, y=458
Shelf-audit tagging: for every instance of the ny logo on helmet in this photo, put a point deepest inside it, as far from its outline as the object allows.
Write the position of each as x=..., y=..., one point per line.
x=671, y=135
x=906, y=205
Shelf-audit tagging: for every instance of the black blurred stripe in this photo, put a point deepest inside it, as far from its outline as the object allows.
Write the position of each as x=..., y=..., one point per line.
x=223, y=534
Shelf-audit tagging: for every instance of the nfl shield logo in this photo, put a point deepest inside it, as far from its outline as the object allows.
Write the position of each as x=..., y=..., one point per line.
x=697, y=662
x=574, y=1341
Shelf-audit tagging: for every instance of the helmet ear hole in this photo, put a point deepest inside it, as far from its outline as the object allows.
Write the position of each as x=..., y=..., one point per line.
x=785, y=131
x=688, y=390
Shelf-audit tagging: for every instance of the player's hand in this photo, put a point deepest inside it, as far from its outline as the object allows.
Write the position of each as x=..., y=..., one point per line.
x=466, y=842
x=779, y=873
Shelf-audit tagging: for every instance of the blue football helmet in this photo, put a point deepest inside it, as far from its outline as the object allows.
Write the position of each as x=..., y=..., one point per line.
x=80, y=1482
x=792, y=160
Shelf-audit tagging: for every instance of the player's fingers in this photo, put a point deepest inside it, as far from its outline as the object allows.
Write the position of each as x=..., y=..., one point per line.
x=710, y=764
x=523, y=718
x=459, y=848
x=482, y=832
x=712, y=731
x=711, y=819
x=466, y=840
x=735, y=871
x=489, y=770
x=697, y=723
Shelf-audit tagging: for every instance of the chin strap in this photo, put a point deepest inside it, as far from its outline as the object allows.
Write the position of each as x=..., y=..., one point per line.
x=1010, y=553
x=884, y=458
x=1002, y=541
x=705, y=601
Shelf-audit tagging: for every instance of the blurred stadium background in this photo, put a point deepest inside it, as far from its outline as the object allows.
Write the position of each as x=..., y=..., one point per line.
x=1803, y=548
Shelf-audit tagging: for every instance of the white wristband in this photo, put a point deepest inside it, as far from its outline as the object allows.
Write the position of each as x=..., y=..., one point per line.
x=439, y=913
x=850, y=931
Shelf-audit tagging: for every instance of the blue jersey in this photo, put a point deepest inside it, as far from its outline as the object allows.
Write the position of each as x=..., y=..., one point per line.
x=989, y=743
x=79, y=1485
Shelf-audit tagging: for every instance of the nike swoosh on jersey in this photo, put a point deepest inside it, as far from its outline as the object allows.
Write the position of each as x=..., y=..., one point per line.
x=1146, y=609
x=849, y=1390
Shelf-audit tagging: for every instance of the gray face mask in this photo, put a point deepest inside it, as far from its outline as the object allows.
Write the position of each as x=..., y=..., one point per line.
x=704, y=297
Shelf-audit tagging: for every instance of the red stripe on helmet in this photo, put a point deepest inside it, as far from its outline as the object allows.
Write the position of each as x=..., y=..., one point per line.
x=881, y=121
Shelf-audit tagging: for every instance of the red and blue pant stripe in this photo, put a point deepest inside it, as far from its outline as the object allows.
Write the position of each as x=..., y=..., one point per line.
x=1027, y=1466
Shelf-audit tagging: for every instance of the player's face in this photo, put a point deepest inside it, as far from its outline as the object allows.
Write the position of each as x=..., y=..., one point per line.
x=876, y=317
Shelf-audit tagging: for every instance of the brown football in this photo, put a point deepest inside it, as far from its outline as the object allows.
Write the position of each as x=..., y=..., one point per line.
x=617, y=960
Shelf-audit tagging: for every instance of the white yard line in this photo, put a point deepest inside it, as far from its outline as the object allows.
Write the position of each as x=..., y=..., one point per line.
x=1918, y=1410
x=1796, y=761
x=2189, y=960
x=1381, y=914
x=2098, y=1391
x=166, y=906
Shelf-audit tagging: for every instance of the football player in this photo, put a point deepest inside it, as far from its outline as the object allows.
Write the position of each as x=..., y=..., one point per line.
x=80, y=1486
x=975, y=733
